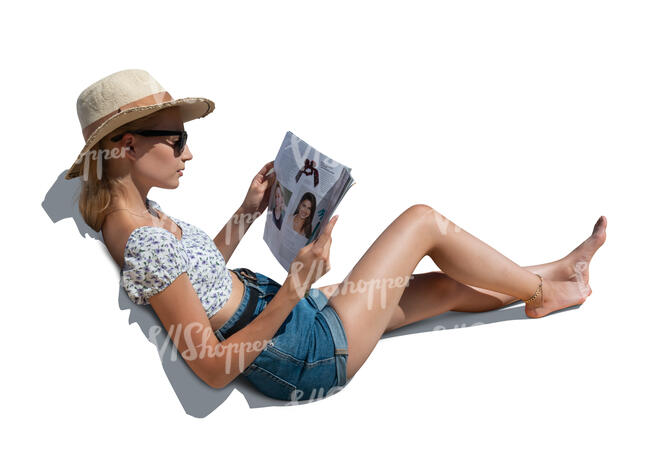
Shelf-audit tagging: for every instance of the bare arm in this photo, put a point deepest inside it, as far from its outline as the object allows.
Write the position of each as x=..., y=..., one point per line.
x=217, y=363
x=232, y=233
x=183, y=316
x=254, y=204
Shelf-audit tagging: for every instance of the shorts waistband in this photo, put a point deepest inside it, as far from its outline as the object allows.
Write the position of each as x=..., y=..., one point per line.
x=333, y=320
x=244, y=313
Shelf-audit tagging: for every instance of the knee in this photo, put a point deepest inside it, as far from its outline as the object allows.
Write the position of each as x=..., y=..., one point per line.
x=420, y=209
x=427, y=211
x=428, y=219
x=421, y=212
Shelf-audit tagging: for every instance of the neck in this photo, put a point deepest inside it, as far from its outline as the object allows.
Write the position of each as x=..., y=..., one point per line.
x=132, y=196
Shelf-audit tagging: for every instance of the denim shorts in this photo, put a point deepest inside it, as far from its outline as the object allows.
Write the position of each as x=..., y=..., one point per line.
x=307, y=356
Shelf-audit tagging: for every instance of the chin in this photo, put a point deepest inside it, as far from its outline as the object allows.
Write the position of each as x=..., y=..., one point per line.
x=171, y=184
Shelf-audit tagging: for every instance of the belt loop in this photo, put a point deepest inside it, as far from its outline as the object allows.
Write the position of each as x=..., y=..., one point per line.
x=219, y=335
x=318, y=298
x=248, y=273
x=248, y=277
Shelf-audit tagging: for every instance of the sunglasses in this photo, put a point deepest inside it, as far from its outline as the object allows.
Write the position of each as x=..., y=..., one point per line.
x=179, y=145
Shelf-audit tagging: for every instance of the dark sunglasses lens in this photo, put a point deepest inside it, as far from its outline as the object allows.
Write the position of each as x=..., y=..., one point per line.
x=180, y=145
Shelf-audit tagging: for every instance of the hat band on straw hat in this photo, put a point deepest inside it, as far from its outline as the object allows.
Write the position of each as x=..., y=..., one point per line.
x=152, y=99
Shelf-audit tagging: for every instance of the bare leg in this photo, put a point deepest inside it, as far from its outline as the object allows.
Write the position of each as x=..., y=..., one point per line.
x=366, y=311
x=573, y=267
x=433, y=293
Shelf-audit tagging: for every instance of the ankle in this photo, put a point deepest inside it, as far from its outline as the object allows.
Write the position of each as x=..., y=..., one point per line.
x=535, y=299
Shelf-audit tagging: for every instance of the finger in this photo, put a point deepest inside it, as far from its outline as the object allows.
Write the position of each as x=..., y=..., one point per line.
x=326, y=248
x=265, y=168
x=330, y=225
x=327, y=235
x=317, y=244
x=321, y=237
x=327, y=230
x=266, y=195
x=269, y=177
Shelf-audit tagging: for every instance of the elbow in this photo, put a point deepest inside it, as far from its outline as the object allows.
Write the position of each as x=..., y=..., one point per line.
x=217, y=381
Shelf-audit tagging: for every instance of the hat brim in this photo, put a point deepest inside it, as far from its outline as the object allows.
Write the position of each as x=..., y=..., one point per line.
x=190, y=108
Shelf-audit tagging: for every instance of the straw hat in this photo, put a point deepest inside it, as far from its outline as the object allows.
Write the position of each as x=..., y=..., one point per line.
x=121, y=98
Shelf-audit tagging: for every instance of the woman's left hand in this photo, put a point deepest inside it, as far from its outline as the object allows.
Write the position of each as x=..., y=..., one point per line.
x=257, y=198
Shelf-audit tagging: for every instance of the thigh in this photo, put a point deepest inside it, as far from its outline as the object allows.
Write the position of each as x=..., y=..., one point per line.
x=427, y=295
x=368, y=297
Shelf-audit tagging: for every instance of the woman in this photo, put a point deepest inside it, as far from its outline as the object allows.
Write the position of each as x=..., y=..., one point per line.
x=278, y=208
x=288, y=340
x=304, y=214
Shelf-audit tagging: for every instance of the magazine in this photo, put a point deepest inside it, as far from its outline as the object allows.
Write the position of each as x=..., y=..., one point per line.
x=308, y=188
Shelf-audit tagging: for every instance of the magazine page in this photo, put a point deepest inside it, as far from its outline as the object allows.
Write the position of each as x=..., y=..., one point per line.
x=307, y=189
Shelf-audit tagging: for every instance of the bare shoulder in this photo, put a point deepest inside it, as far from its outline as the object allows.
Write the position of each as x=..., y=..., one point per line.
x=116, y=230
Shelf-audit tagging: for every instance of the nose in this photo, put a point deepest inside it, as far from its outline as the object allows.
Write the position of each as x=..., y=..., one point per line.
x=187, y=154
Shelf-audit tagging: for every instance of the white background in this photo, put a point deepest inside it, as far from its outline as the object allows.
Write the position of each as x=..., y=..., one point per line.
x=520, y=121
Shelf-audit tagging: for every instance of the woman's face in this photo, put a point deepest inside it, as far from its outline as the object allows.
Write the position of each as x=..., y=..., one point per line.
x=153, y=159
x=305, y=209
x=279, y=200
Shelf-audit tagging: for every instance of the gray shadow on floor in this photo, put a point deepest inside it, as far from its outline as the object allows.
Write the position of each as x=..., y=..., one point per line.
x=460, y=320
x=196, y=397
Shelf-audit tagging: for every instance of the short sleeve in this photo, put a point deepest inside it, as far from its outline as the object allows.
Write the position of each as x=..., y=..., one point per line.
x=153, y=259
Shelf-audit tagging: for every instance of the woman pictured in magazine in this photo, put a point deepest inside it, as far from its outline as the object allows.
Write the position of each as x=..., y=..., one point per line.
x=278, y=207
x=304, y=214
x=292, y=339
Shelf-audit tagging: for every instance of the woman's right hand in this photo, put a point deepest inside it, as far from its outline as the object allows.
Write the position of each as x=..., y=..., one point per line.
x=313, y=260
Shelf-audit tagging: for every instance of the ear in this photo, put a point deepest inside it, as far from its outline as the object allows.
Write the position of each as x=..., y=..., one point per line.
x=128, y=142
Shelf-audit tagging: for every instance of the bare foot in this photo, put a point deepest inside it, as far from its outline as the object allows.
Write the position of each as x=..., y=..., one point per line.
x=576, y=263
x=558, y=295
x=569, y=283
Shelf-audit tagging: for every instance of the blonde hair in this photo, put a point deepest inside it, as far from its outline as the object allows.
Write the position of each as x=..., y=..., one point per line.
x=97, y=191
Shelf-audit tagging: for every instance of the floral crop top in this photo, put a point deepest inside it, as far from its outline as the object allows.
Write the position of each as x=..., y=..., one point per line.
x=154, y=258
